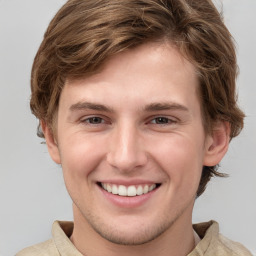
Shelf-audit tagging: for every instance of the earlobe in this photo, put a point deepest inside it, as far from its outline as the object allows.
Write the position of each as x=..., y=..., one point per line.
x=217, y=143
x=51, y=142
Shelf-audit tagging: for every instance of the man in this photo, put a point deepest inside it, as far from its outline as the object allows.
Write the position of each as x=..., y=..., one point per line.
x=136, y=102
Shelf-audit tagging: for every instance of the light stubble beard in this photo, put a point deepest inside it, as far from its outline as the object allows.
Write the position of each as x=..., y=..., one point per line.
x=145, y=235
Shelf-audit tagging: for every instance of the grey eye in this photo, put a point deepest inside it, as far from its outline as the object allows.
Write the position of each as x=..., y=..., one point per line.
x=94, y=120
x=161, y=120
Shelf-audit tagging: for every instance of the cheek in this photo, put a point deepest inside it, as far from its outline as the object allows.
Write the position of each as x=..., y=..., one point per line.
x=181, y=158
x=79, y=159
x=80, y=156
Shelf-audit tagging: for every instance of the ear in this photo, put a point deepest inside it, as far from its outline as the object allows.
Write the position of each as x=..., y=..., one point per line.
x=217, y=143
x=51, y=142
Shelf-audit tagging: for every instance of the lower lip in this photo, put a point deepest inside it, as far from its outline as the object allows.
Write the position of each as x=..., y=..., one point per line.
x=128, y=201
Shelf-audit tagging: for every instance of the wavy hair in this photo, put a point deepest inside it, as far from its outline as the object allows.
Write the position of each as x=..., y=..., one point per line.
x=85, y=34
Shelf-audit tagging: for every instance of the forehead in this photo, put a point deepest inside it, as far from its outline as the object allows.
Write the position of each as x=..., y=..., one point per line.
x=152, y=72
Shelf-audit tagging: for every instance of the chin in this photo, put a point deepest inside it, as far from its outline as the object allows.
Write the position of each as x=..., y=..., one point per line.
x=137, y=237
x=132, y=232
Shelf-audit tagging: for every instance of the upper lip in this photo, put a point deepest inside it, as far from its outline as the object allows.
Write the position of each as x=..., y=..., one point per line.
x=129, y=182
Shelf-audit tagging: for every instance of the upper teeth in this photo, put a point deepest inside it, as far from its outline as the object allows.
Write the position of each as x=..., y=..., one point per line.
x=122, y=190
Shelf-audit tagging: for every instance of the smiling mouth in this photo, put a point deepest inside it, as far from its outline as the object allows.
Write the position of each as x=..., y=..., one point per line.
x=132, y=190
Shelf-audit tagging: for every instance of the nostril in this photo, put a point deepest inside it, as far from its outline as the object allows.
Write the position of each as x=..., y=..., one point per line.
x=127, y=161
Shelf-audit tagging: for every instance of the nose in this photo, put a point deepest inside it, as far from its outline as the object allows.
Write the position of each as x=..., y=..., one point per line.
x=126, y=150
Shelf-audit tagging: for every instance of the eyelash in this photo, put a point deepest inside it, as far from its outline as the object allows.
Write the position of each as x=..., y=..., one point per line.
x=160, y=120
x=163, y=118
x=87, y=120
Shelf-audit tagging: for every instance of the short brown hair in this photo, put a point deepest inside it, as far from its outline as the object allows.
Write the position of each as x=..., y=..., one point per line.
x=84, y=34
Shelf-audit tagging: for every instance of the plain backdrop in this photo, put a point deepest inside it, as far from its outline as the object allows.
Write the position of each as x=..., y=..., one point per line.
x=32, y=191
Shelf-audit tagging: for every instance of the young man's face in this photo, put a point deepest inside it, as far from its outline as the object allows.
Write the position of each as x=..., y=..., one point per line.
x=135, y=129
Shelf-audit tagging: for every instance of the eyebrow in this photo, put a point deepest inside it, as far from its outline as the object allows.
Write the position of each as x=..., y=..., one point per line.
x=165, y=106
x=148, y=108
x=91, y=106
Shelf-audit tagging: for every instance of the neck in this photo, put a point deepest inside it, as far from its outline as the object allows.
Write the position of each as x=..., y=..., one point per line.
x=177, y=240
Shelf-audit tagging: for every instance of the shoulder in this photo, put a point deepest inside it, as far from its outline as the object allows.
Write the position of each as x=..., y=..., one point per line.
x=59, y=244
x=213, y=243
x=231, y=247
x=45, y=248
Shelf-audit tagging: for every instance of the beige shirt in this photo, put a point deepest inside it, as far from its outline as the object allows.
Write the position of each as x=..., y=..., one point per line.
x=211, y=244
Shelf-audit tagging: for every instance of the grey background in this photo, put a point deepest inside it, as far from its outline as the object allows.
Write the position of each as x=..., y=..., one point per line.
x=32, y=192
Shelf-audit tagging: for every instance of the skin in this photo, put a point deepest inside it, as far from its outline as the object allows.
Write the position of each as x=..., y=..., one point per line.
x=147, y=129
